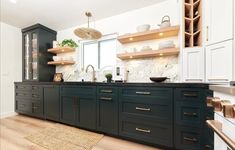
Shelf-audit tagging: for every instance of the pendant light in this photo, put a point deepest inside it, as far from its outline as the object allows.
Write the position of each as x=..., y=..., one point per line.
x=88, y=33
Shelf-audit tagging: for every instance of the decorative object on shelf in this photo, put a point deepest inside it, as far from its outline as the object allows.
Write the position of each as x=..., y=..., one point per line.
x=88, y=33
x=58, y=77
x=158, y=79
x=149, y=35
x=109, y=77
x=228, y=109
x=165, y=22
x=69, y=43
x=56, y=44
x=56, y=58
x=217, y=104
x=166, y=44
x=209, y=101
x=146, y=48
x=143, y=28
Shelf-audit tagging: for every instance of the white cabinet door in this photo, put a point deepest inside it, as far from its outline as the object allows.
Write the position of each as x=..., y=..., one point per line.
x=219, y=62
x=218, y=20
x=193, y=64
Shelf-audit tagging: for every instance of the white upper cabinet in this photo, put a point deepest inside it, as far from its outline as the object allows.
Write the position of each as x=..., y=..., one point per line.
x=219, y=62
x=193, y=64
x=218, y=21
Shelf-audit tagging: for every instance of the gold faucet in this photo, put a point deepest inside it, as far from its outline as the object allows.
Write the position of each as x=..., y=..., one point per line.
x=93, y=73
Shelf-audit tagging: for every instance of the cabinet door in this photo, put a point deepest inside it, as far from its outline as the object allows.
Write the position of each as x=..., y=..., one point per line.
x=193, y=65
x=107, y=110
x=87, y=112
x=219, y=62
x=52, y=102
x=69, y=109
x=218, y=20
x=27, y=63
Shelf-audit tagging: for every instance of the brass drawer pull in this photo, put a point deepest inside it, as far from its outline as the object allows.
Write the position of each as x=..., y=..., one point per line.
x=190, y=94
x=143, y=130
x=190, y=139
x=142, y=109
x=106, y=98
x=190, y=114
x=106, y=91
x=143, y=93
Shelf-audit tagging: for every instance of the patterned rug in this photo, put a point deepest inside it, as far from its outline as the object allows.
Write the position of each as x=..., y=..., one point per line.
x=62, y=137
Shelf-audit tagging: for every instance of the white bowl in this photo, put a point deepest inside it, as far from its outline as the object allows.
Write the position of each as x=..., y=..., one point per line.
x=143, y=28
x=56, y=58
x=166, y=44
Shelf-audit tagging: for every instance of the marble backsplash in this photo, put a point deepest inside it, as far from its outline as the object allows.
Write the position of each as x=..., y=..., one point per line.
x=139, y=70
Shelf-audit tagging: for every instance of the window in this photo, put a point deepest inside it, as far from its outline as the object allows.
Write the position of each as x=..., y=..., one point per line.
x=100, y=54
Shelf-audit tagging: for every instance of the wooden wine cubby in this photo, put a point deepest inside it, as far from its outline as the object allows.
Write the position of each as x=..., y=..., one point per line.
x=192, y=23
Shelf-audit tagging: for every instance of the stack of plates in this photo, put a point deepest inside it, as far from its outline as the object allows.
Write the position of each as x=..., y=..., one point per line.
x=166, y=44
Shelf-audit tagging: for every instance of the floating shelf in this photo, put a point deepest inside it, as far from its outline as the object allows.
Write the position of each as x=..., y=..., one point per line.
x=149, y=53
x=59, y=50
x=149, y=35
x=61, y=62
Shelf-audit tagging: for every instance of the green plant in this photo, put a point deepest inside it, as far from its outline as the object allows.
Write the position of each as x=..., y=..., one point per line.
x=109, y=76
x=69, y=43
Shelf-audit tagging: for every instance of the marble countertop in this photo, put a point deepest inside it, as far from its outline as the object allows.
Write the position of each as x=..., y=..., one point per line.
x=227, y=89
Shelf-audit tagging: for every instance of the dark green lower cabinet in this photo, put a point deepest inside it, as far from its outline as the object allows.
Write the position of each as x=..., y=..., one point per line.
x=52, y=102
x=78, y=106
x=69, y=110
x=107, y=109
x=167, y=117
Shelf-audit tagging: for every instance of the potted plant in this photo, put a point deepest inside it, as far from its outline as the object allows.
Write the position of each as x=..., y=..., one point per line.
x=69, y=43
x=109, y=77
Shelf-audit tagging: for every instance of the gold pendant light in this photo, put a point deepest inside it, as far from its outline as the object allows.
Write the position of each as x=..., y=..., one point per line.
x=88, y=33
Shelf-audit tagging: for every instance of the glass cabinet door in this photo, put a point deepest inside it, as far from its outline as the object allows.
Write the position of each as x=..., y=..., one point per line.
x=34, y=52
x=27, y=61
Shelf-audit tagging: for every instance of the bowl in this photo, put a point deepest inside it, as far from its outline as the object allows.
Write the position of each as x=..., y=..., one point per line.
x=143, y=28
x=166, y=44
x=56, y=58
x=158, y=79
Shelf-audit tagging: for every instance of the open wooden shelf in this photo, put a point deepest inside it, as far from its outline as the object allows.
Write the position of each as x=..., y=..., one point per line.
x=149, y=35
x=62, y=62
x=149, y=53
x=61, y=50
x=216, y=126
x=192, y=22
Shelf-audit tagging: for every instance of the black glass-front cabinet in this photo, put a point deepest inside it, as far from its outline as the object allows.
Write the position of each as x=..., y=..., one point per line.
x=37, y=39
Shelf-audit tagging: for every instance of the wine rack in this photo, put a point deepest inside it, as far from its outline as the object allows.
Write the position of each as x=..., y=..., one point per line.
x=192, y=23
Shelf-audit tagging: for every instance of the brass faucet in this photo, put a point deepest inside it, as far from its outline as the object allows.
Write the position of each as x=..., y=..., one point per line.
x=93, y=73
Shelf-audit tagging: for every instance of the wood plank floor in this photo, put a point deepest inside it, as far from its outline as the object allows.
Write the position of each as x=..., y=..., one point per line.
x=14, y=129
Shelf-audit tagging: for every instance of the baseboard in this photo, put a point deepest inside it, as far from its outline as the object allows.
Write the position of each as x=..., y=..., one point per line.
x=7, y=114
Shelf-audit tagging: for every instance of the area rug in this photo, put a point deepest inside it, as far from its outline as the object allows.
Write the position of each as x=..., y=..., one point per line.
x=62, y=137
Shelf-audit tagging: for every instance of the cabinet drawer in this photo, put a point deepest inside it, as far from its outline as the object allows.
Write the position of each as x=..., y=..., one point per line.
x=78, y=90
x=190, y=115
x=147, y=131
x=186, y=95
x=37, y=109
x=107, y=90
x=23, y=95
x=146, y=92
x=187, y=138
x=162, y=112
x=23, y=107
x=22, y=87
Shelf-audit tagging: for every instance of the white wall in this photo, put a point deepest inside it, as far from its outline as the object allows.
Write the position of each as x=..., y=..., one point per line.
x=10, y=66
x=127, y=23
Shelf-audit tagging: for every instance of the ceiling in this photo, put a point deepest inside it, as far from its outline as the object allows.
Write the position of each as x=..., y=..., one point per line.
x=62, y=14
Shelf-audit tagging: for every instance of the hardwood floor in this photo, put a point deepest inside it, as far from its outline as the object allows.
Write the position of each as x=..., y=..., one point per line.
x=14, y=129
